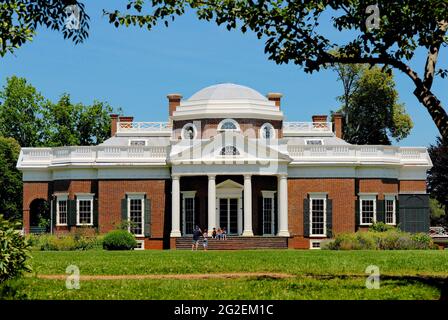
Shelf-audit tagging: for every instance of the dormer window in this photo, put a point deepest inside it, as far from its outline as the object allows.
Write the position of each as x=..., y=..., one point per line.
x=137, y=143
x=228, y=125
x=229, y=151
x=189, y=132
x=267, y=131
x=314, y=142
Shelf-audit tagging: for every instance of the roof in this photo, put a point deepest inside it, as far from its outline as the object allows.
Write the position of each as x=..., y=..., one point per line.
x=227, y=91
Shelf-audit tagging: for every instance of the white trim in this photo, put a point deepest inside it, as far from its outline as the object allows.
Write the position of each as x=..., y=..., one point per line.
x=195, y=131
x=132, y=140
x=315, y=241
x=367, y=197
x=388, y=197
x=142, y=242
x=312, y=139
x=226, y=190
x=267, y=124
x=268, y=194
x=61, y=197
x=84, y=197
x=317, y=196
x=140, y=197
x=187, y=195
x=237, y=126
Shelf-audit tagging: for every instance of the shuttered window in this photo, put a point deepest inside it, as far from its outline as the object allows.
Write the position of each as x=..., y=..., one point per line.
x=318, y=216
x=84, y=210
x=136, y=205
x=61, y=210
x=367, y=210
x=390, y=210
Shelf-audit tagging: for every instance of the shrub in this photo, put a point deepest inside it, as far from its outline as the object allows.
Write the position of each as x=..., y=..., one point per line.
x=119, y=240
x=381, y=227
x=392, y=239
x=14, y=251
x=65, y=242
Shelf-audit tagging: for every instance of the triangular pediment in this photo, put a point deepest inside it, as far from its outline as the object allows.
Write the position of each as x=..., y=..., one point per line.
x=229, y=184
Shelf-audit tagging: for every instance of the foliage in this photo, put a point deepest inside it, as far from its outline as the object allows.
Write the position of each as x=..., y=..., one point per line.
x=370, y=105
x=14, y=251
x=383, y=240
x=381, y=227
x=65, y=242
x=119, y=240
x=292, y=33
x=438, y=174
x=10, y=179
x=437, y=213
x=20, y=20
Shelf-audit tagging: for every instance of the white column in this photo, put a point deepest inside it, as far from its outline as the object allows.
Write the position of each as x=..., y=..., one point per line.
x=283, y=206
x=211, y=202
x=175, y=207
x=248, y=232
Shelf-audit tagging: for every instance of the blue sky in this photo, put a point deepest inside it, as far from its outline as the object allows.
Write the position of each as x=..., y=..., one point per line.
x=135, y=69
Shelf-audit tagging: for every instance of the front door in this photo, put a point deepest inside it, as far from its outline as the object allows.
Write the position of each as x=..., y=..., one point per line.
x=228, y=214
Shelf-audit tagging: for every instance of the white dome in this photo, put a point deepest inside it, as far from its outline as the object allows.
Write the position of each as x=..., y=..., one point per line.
x=227, y=91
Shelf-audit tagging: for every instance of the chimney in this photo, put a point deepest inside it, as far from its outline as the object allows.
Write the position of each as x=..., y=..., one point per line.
x=320, y=118
x=113, y=124
x=337, y=124
x=276, y=97
x=126, y=119
x=173, y=102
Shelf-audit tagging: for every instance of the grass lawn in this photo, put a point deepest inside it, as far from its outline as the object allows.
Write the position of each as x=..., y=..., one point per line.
x=314, y=274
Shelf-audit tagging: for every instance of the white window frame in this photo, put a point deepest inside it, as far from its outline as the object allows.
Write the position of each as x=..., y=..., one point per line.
x=132, y=140
x=321, y=142
x=317, y=197
x=315, y=241
x=228, y=155
x=142, y=242
x=84, y=197
x=237, y=126
x=269, y=195
x=136, y=197
x=184, y=128
x=394, y=209
x=267, y=124
x=61, y=197
x=187, y=195
x=367, y=197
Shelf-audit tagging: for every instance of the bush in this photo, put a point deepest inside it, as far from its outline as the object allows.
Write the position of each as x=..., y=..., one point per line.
x=381, y=227
x=119, y=240
x=392, y=239
x=65, y=242
x=14, y=251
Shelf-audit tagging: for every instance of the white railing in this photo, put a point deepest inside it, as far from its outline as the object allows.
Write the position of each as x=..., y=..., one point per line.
x=355, y=153
x=307, y=127
x=134, y=127
x=94, y=154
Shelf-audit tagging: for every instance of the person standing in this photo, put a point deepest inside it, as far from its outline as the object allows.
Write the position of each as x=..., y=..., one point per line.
x=205, y=239
x=196, y=236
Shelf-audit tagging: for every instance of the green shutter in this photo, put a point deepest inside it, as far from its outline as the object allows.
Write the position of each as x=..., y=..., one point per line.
x=53, y=214
x=329, y=218
x=147, y=226
x=95, y=213
x=71, y=219
x=357, y=214
x=397, y=213
x=306, y=217
x=124, y=210
x=380, y=211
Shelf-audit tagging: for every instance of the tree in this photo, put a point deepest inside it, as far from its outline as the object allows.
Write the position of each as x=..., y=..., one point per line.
x=21, y=107
x=388, y=34
x=20, y=20
x=10, y=179
x=438, y=175
x=370, y=105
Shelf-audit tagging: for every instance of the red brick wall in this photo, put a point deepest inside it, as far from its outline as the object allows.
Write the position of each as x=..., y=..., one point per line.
x=111, y=192
x=32, y=191
x=341, y=191
x=380, y=186
x=413, y=186
x=72, y=187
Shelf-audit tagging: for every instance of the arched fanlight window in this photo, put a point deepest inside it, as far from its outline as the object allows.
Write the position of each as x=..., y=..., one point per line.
x=267, y=131
x=228, y=125
x=229, y=151
x=189, y=132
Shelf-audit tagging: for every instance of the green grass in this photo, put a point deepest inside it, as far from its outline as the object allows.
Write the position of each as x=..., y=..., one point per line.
x=317, y=274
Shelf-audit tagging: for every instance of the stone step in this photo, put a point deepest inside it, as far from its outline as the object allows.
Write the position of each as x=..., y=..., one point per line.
x=236, y=243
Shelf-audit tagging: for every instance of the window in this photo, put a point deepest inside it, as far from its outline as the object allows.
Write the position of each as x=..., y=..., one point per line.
x=61, y=210
x=268, y=212
x=390, y=214
x=140, y=245
x=318, y=208
x=229, y=151
x=135, y=214
x=315, y=244
x=228, y=125
x=267, y=131
x=367, y=209
x=84, y=210
x=188, y=211
x=189, y=132
x=137, y=143
x=314, y=142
